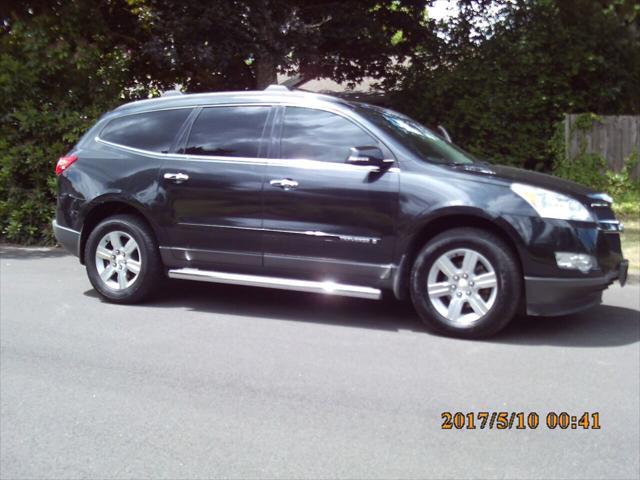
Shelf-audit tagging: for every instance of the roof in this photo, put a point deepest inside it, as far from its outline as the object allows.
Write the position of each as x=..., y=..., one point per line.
x=199, y=99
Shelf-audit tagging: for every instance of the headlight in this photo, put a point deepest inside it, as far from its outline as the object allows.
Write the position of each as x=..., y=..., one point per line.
x=576, y=261
x=550, y=204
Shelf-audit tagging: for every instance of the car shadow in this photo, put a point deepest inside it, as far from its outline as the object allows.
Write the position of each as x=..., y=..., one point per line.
x=266, y=303
x=11, y=252
x=602, y=326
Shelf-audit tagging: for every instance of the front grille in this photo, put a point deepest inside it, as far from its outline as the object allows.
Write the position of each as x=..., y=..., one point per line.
x=608, y=250
x=603, y=213
x=600, y=204
x=606, y=219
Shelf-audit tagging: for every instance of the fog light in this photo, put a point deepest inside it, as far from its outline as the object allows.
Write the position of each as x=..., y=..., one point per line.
x=575, y=261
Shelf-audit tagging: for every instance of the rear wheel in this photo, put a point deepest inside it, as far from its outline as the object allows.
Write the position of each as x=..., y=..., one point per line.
x=122, y=259
x=466, y=282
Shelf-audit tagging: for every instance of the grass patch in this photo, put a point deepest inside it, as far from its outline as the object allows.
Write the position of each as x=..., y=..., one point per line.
x=627, y=204
x=631, y=241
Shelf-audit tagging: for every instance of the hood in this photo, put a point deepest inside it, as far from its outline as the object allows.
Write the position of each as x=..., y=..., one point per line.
x=536, y=179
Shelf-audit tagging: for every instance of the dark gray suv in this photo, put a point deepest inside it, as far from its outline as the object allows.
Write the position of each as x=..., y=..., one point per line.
x=312, y=193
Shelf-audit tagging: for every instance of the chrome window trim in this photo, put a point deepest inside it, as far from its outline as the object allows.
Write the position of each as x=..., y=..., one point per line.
x=281, y=162
x=309, y=164
x=182, y=156
x=299, y=163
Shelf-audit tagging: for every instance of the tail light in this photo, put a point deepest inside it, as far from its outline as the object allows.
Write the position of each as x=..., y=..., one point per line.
x=64, y=163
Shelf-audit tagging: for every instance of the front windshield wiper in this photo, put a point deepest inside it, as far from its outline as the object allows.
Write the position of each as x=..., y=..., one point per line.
x=476, y=162
x=480, y=167
x=456, y=164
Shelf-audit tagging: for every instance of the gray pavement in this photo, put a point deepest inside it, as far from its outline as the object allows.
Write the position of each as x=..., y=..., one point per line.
x=213, y=381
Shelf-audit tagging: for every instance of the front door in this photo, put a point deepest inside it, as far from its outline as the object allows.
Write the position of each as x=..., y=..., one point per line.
x=325, y=219
x=212, y=189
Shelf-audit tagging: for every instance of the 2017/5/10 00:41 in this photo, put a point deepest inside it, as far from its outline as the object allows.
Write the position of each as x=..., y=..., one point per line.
x=518, y=421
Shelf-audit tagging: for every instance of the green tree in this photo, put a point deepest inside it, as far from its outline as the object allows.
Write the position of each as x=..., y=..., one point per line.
x=504, y=74
x=243, y=44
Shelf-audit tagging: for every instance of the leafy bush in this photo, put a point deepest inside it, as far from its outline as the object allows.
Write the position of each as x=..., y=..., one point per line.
x=55, y=80
x=627, y=204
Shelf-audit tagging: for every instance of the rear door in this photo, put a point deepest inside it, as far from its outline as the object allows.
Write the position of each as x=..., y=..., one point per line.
x=132, y=148
x=326, y=219
x=212, y=188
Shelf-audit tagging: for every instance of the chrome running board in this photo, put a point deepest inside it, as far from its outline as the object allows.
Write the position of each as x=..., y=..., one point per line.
x=326, y=287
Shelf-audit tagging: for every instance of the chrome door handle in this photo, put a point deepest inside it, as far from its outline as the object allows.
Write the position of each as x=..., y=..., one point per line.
x=176, y=177
x=284, y=183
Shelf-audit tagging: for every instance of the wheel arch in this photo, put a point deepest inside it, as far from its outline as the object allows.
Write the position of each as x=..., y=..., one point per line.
x=436, y=224
x=105, y=208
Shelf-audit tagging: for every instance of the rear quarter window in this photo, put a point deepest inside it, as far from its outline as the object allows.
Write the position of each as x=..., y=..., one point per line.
x=151, y=131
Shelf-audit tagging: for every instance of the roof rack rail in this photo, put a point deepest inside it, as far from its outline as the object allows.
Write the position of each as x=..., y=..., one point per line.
x=279, y=88
x=171, y=93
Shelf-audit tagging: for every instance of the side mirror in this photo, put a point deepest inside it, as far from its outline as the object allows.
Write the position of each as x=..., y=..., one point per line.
x=368, y=156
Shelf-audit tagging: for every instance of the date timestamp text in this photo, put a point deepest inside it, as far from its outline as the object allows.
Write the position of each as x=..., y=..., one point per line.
x=519, y=421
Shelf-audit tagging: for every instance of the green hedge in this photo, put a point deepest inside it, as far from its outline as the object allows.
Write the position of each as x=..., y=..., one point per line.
x=53, y=86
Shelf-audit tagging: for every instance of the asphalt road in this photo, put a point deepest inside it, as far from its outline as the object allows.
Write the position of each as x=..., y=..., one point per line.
x=234, y=382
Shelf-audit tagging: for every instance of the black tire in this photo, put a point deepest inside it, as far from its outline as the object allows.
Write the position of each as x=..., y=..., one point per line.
x=151, y=271
x=507, y=276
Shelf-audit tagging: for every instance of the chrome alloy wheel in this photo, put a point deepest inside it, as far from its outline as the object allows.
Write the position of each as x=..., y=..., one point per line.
x=462, y=286
x=118, y=260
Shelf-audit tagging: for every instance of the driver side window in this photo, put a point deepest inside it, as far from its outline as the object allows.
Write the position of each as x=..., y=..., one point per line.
x=311, y=134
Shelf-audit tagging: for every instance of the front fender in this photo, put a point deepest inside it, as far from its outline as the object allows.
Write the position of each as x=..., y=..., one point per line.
x=463, y=215
x=433, y=221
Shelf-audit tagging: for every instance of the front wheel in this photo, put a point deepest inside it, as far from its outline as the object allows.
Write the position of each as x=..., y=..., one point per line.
x=122, y=259
x=466, y=283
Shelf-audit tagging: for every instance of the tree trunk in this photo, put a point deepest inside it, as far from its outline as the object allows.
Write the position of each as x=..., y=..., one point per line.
x=265, y=72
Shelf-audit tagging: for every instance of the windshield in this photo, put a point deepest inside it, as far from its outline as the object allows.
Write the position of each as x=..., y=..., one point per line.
x=419, y=139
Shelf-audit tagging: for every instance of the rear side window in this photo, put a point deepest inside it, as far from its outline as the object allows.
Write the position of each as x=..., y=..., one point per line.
x=318, y=135
x=228, y=131
x=152, y=131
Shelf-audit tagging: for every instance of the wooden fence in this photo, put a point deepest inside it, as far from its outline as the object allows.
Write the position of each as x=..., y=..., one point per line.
x=615, y=137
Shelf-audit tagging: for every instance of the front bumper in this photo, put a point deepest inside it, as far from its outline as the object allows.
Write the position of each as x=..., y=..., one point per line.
x=67, y=237
x=562, y=296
